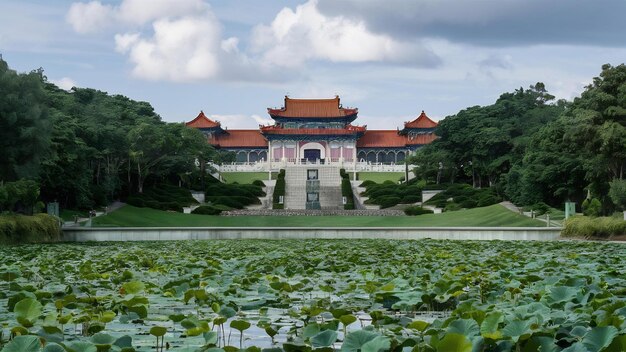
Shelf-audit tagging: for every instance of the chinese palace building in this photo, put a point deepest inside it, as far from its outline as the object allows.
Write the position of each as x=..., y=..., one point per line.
x=318, y=131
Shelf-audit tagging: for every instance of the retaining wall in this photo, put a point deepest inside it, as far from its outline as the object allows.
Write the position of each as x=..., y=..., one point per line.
x=212, y=233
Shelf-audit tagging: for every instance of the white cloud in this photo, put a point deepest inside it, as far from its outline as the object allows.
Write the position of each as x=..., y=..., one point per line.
x=89, y=17
x=181, y=49
x=230, y=45
x=139, y=12
x=93, y=16
x=64, y=83
x=241, y=121
x=305, y=34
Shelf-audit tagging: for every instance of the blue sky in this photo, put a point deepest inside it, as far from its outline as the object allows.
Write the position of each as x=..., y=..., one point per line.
x=391, y=59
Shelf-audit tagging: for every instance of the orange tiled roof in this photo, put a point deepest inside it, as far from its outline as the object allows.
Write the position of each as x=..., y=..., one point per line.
x=312, y=108
x=421, y=139
x=381, y=138
x=313, y=131
x=421, y=121
x=239, y=138
x=201, y=121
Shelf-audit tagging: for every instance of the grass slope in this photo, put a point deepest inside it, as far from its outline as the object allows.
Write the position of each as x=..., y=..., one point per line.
x=245, y=177
x=495, y=215
x=380, y=177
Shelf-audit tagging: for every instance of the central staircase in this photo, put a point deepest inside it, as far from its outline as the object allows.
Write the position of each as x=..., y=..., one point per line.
x=327, y=186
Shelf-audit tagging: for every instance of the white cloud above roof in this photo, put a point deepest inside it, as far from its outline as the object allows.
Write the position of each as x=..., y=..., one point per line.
x=295, y=37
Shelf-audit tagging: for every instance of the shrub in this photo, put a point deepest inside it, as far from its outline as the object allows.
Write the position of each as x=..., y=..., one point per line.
x=487, y=199
x=367, y=183
x=236, y=202
x=592, y=207
x=279, y=190
x=384, y=194
x=346, y=190
x=258, y=183
x=417, y=211
x=207, y=210
x=388, y=201
x=411, y=198
x=468, y=203
x=162, y=197
x=29, y=229
x=452, y=207
x=602, y=227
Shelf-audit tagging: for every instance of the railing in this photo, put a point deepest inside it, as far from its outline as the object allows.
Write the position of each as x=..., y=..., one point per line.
x=261, y=166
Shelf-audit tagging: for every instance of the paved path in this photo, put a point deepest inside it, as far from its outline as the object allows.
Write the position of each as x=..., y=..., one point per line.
x=512, y=207
x=111, y=207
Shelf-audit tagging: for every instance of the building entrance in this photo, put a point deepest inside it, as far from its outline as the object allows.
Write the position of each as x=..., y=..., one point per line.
x=312, y=154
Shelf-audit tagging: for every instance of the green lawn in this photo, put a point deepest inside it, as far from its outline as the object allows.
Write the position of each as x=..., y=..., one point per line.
x=494, y=215
x=380, y=177
x=245, y=177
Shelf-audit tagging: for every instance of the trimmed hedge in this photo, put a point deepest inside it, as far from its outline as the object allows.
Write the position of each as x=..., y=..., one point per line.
x=29, y=229
x=234, y=195
x=462, y=196
x=601, y=227
x=163, y=197
x=279, y=190
x=346, y=190
x=210, y=209
x=415, y=210
x=258, y=183
x=389, y=193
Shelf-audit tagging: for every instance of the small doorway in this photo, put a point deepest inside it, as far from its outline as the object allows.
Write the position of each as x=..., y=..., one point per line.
x=312, y=154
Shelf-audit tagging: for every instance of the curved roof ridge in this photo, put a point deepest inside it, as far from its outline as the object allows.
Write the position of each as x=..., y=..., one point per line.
x=202, y=121
x=422, y=121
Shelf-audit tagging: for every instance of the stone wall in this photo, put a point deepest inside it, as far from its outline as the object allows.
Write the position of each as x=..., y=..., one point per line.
x=81, y=234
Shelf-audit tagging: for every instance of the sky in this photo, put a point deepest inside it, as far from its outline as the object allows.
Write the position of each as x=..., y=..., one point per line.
x=390, y=58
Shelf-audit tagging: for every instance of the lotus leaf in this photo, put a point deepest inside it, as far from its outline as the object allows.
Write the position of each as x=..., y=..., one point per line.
x=347, y=319
x=27, y=311
x=599, y=337
x=53, y=347
x=467, y=327
x=158, y=331
x=452, y=342
x=378, y=344
x=561, y=294
x=102, y=339
x=133, y=287
x=210, y=337
x=124, y=342
x=324, y=338
x=489, y=326
x=311, y=330
x=517, y=329
x=355, y=340
x=51, y=334
x=227, y=312
x=577, y=347
x=27, y=343
x=82, y=347
x=292, y=347
x=240, y=325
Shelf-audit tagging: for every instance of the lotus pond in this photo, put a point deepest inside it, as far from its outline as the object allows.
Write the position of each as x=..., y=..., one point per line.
x=303, y=295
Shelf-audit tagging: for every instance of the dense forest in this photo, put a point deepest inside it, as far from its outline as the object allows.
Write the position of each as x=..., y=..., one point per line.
x=85, y=147
x=533, y=149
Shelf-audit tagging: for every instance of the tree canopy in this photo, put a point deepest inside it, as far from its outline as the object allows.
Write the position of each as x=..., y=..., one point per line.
x=86, y=147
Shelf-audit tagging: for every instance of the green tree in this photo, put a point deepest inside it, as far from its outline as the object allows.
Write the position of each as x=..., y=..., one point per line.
x=617, y=192
x=24, y=127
